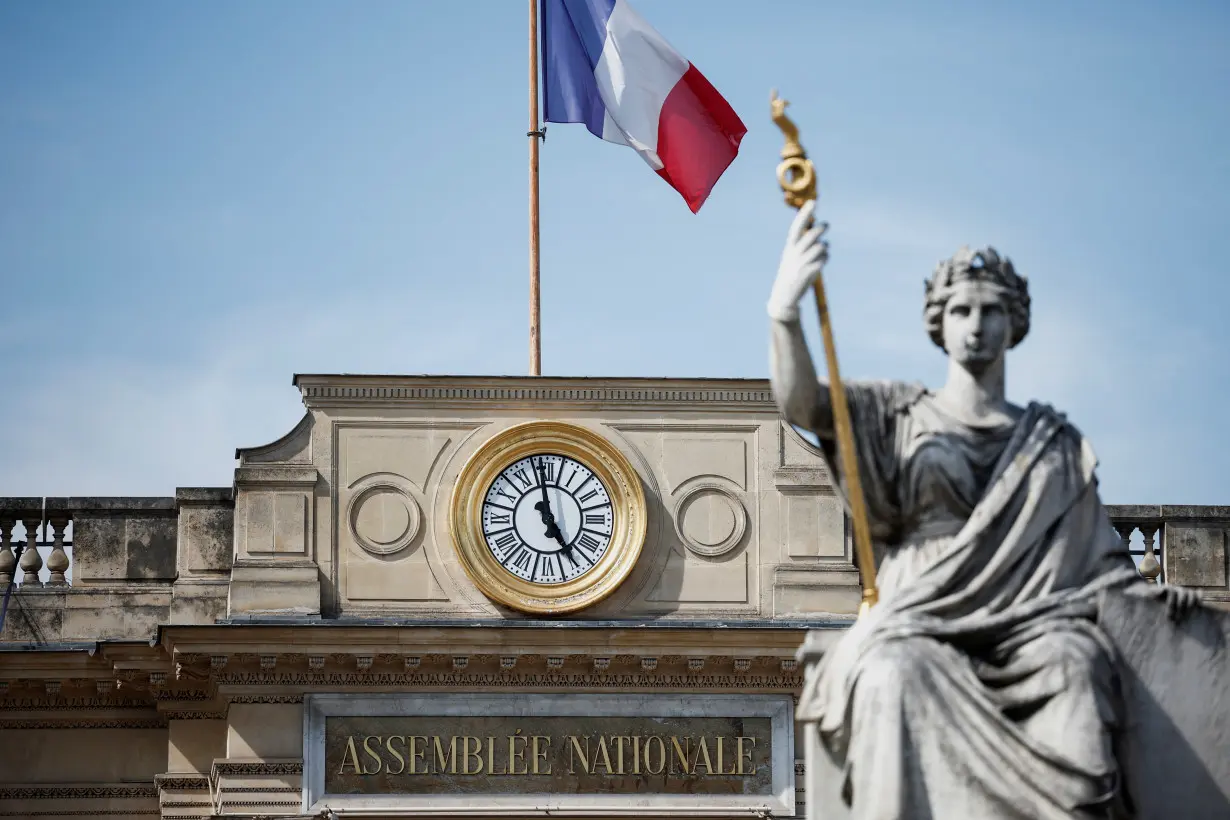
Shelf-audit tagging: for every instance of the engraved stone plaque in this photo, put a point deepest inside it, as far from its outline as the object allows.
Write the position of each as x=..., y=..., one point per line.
x=564, y=751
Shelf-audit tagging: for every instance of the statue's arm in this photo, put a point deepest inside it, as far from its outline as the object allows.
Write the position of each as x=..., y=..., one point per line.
x=802, y=399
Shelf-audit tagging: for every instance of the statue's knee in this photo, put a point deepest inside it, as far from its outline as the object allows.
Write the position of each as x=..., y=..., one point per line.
x=1081, y=659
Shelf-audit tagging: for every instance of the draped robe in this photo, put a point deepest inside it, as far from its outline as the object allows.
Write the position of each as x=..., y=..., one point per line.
x=981, y=682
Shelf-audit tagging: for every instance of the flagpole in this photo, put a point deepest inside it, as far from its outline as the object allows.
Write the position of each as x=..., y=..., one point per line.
x=534, y=134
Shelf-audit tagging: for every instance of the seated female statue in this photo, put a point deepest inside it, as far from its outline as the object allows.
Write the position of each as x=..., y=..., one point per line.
x=981, y=685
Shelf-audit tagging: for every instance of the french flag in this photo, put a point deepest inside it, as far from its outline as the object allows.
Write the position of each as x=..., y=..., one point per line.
x=604, y=66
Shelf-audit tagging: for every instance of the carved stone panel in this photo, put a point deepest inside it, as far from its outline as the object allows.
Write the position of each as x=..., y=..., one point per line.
x=1196, y=555
x=707, y=454
x=578, y=752
x=388, y=473
x=408, y=452
x=274, y=511
x=814, y=525
x=707, y=472
x=276, y=523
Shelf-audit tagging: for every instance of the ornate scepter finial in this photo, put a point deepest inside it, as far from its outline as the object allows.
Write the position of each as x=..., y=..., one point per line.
x=795, y=173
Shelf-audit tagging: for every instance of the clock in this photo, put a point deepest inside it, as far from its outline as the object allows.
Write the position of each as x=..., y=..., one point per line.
x=548, y=517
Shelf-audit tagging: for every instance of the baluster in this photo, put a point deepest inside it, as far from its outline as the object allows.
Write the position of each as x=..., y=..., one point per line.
x=8, y=561
x=1150, y=567
x=57, y=561
x=1125, y=531
x=31, y=562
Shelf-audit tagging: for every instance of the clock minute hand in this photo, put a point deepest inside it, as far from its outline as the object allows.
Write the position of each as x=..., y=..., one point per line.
x=542, y=482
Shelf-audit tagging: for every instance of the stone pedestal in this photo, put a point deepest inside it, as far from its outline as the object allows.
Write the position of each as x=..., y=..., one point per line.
x=1175, y=745
x=1176, y=688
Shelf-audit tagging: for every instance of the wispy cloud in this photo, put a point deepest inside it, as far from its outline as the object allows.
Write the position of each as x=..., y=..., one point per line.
x=100, y=426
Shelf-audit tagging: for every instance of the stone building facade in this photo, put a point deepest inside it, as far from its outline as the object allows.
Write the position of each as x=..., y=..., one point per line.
x=319, y=638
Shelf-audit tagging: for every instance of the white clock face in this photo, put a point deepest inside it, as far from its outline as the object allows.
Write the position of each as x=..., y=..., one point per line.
x=547, y=519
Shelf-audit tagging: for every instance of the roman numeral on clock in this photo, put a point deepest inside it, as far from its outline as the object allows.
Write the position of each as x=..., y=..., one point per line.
x=593, y=518
x=588, y=541
x=501, y=518
x=506, y=540
x=588, y=496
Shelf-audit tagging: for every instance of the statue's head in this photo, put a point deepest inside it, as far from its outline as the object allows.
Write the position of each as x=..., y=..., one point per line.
x=977, y=306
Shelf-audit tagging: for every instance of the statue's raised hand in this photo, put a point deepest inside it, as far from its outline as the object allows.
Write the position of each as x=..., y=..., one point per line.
x=802, y=262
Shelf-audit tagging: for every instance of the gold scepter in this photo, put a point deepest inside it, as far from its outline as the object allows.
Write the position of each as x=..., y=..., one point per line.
x=797, y=177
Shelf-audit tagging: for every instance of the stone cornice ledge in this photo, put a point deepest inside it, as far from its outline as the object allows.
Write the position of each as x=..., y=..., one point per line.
x=745, y=395
x=279, y=475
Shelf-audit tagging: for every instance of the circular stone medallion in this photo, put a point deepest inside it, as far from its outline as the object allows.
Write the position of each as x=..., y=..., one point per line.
x=709, y=520
x=383, y=519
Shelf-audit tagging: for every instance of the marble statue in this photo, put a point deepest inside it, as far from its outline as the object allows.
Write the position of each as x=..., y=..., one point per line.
x=983, y=684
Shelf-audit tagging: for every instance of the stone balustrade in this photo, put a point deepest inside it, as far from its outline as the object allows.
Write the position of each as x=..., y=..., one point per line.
x=21, y=525
x=1178, y=544
x=95, y=568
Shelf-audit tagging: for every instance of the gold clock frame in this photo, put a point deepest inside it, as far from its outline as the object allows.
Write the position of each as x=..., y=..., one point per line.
x=628, y=508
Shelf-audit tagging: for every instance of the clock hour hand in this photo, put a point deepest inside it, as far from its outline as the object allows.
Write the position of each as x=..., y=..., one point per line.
x=565, y=547
x=548, y=518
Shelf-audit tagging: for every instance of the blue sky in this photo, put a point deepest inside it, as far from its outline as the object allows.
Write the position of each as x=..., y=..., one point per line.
x=199, y=199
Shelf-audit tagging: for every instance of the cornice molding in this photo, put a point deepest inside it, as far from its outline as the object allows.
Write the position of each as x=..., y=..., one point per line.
x=255, y=768
x=84, y=722
x=447, y=680
x=76, y=792
x=26, y=814
x=325, y=391
x=197, y=715
x=245, y=699
x=181, y=781
x=194, y=643
x=38, y=699
x=478, y=672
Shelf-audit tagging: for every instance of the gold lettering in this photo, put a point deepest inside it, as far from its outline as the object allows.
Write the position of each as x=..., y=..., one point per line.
x=575, y=751
x=417, y=755
x=536, y=754
x=446, y=763
x=351, y=754
x=491, y=756
x=702, y=749
x=514, y=753
x=468, y=754
x=681, y=754
x=636, y=754
x=719, y=757
x=661, y=755
x=372, y=753
x=745, y=755
x=606, y=756
x=619, y=753
x=388, y=744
